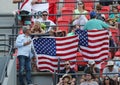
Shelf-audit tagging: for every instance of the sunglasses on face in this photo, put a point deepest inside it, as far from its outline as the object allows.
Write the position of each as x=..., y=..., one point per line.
x=45, y=15
x=66, y=64
x=80, y=4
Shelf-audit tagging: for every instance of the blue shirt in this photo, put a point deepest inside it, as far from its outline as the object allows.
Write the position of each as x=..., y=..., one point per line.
x=24, y=50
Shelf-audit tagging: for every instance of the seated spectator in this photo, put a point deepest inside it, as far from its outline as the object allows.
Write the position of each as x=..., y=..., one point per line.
x=107, y=81
x=65, y=80
x=98, y=11
x=80, y=19
x=111, y=70
x=44, y=19
x=69, y=70
x=72, y=31
x=36, y=29
x=115, y=16
x=93, y=70
x=89, y=80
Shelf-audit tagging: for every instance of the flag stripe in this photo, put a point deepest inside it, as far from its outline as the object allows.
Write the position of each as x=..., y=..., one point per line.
x=60, y=49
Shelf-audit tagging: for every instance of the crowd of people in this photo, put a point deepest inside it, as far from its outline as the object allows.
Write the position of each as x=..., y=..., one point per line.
x=83, y=20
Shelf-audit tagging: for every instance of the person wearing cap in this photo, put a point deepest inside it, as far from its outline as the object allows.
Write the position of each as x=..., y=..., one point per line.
x=65, y=80
x=24, y=55
x=92, y=69
x=111, y=70
x=96, y=24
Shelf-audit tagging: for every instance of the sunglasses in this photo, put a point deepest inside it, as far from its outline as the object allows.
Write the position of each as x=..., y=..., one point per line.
x=106, y=78
x=80, y=4
x=66, y=64
x=45, y=15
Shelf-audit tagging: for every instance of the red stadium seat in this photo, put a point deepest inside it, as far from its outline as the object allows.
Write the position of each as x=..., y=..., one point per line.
x=89, y=9
x=80, y=59
x=63, y=22
x=52, y=1
x=70, y=5
x=106, y=14
x=117, y=54
x=118, y=7
x=106, y=8
x=66, y=10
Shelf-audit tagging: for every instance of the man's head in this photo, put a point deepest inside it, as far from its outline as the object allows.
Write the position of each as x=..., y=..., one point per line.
x=93, y=14
x=67, y=64
x=44, y=15
x=88, y=76
x=26, y=29
x=110, y=65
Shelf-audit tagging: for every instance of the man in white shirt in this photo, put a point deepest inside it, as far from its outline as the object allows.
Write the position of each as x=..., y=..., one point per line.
x=44, y=19
x=24, y=46
x=111, y=70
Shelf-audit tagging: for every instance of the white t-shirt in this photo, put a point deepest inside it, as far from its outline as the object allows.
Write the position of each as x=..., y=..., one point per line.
x=47, y=22
x=81, y=21
x=106, y=70
x=26, y=5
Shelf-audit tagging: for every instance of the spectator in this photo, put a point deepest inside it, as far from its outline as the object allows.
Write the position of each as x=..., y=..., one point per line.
x=80, y=19
x=92, y=69
x=98, y=11
x=88, y=80
x=72, y=31
x=25, y=11
x=115, y=15
x=105, y=2
x=107, y=81
x=37, y=29
x=65, y=80
x=24, y=46
x=95, y=23
x=109, y=69
x=44, y=19
x=69, y=70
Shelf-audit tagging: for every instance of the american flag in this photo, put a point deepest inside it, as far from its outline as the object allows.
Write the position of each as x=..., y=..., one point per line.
x=93, y=44
x=48, y=50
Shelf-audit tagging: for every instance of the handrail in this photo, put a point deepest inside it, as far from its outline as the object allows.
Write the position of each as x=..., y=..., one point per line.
x=7, y=58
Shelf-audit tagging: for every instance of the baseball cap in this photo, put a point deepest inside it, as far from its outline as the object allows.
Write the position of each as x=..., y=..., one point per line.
x=91, y=62
x=110, y=63
x=93, y=14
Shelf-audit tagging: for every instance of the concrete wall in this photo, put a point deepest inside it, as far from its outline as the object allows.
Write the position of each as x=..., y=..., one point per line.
x=6, y=6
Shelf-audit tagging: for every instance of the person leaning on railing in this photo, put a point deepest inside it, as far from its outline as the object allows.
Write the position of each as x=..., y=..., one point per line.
x=96, y=24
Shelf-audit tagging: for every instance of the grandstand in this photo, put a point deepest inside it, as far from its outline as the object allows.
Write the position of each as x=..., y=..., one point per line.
x=61, y=13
